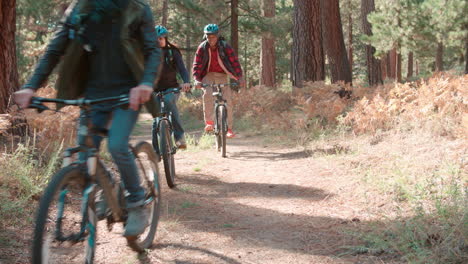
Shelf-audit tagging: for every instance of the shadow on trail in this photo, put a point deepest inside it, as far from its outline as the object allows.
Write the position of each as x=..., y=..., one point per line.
x=219, y=257
x=219, y=189
x=260, y=155
x=271, y=223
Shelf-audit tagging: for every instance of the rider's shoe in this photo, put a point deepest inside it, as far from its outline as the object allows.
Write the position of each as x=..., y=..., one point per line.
x=230, y=134
x=137, y=221
x=181, y=144
x=209, y=126
x=102, y=210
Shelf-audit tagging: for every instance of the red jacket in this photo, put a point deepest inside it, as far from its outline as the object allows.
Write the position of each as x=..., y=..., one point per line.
x=226, y=54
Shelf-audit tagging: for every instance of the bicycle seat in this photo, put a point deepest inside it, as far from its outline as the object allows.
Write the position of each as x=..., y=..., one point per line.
x=216, y=93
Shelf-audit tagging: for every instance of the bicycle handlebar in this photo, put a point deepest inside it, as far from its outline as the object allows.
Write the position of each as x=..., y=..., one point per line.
x=37, y=102
x=171, y=90
x=221, y=85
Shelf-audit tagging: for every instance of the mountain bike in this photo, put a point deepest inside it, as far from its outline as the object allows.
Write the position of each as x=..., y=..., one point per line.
x=66, y=220
x=163, y=137
x=220, y=110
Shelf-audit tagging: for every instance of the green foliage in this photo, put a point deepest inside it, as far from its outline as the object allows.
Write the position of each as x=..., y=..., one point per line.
x=23, y=175
x=418, y=26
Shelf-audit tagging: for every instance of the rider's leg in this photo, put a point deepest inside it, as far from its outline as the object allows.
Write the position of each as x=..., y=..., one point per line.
x=171, y=105
x=227, y=94
x=119, y=134
x=155, y=127
x=208, y=101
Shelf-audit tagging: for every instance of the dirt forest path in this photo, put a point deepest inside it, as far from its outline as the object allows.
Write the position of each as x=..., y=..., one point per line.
x=261, y=204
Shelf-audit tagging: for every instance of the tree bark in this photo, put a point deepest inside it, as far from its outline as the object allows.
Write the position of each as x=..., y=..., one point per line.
x=333, y=41
x=417, y=67
x=383, y=66
x=410, y=65
x=392, y=63
x=308, y=63
x=466, y=56
x=350, y=37
x=235, y=25
x=165, y=8
x=188, y=44
x=374, y=70
x=440, y=57
x=398, y=70
x=268, y=55
x=8, y=68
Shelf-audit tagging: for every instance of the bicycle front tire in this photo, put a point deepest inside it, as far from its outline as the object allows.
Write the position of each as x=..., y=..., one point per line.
x=149, y=174
x=167, y=149
x=65, y=190
x=222, y=130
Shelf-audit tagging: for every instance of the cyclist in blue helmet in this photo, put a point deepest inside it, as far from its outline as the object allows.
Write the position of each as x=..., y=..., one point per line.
x=172, y=65
x=215, y=61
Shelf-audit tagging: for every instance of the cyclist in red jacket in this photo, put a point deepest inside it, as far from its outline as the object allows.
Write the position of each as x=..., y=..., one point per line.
x=215, y=62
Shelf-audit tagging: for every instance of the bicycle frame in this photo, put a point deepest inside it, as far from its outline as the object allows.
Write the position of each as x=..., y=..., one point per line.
x=93, y=170
x=218, y=102
x=163, y=114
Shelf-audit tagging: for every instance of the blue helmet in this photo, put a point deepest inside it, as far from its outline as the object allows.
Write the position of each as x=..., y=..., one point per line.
x=161, y=31
x=211, y=29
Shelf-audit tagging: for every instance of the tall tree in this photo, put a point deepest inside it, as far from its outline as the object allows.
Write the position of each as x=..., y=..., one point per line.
x=235, y=25
x=374, y=71
x=410, y=65
x=350, y=36
x=8, y=70
x=334, y=42
x=268, y=54
x=308, y=63
x=165, y=8
x=439, y=62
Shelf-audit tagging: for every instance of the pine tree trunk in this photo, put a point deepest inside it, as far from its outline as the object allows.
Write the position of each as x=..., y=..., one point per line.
x=165, y=8
x=235, y=25
x=440, y=57
x=398, y=70
x=308, y=63
x=333, y=41
x=268, y=56
x=392, y=64
x=466, y=56
x=374, y=70
x=350, y=37
x=8, y=69
x=383, y=66
x=410, y=65
x=417, y=68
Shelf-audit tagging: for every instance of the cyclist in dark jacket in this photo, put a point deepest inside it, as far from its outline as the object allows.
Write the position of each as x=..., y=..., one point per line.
x=107, y=49
x=172, y=64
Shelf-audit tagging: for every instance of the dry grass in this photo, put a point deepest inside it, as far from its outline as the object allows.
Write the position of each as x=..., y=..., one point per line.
x=439, y=103
x=50, y=127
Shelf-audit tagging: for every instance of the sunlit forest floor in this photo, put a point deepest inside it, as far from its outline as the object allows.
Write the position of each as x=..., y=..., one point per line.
x=385, y=184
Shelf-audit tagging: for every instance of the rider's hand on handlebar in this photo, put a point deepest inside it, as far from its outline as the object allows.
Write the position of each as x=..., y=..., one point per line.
x=185, y=87
x=198, y=85
x=23, y=97
x=241, y=82
x=139, y=95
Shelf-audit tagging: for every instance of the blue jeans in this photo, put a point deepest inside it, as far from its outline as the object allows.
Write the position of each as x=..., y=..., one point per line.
x=122, y=122
x=170, y=102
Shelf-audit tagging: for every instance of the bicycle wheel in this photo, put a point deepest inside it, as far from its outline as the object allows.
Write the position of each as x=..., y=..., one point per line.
x=65, y=230
x=167, y=149
x=149, y=177
x=222, y=130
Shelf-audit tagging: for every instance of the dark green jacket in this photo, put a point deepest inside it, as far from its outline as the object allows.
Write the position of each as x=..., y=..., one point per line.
x=138, y=40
